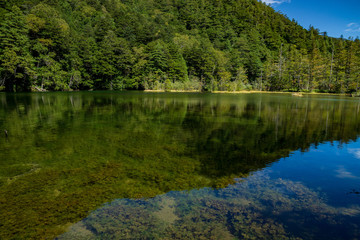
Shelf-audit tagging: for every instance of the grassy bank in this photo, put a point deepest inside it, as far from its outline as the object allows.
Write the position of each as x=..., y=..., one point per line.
x=257, y=91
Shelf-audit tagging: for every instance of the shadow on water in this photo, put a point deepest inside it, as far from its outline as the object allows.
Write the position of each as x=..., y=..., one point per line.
x=71, y=152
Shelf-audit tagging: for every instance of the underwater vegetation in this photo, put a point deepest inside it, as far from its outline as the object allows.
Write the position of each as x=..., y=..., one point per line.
x=254, y=208
x=66, y=154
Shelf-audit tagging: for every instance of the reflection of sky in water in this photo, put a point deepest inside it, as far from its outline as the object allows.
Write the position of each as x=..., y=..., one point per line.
x=332, y=168
x=355, y=152
x=343, y=173
x=311, y=195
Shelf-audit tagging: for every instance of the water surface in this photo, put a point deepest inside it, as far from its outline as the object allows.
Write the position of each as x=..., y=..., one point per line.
x=169, y=165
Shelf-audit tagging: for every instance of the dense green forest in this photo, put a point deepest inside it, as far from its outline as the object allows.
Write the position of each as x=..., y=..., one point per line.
x=168, y=44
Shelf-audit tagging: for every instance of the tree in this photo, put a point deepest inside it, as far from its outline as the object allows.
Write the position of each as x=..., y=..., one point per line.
x=115, y=44
x=15, y=59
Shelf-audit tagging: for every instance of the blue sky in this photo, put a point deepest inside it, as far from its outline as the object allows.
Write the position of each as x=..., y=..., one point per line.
x=336, y=17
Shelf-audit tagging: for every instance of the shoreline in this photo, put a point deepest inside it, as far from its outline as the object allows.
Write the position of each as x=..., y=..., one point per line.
x=295, y=94
x=250, y=92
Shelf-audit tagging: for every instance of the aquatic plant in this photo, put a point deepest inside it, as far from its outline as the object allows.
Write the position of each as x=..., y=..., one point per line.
x=68, y=153
x=254, y=208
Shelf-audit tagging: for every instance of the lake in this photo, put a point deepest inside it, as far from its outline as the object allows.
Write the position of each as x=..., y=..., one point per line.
x=138, y=165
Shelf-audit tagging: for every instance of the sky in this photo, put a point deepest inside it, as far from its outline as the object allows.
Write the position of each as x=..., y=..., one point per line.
x=336, y=17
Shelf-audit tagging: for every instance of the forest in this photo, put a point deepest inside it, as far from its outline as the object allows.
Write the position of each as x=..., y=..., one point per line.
x=190, y=45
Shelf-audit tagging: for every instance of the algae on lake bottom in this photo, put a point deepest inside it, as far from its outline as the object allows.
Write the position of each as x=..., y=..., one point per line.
x=68, y=153
x=254, y=208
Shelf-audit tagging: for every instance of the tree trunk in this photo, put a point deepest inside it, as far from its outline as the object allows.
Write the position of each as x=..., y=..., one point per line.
x=71, y=80
x=2, y=81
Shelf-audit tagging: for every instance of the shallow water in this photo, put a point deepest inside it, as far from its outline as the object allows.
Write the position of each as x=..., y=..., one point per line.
x=177, y=165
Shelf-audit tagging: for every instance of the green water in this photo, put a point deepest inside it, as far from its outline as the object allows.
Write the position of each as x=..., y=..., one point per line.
x=66, y=154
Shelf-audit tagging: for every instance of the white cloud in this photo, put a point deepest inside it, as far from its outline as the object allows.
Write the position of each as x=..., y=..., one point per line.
x=352, y=27
x=276, y=1
x=355, y=152
x=343, y=173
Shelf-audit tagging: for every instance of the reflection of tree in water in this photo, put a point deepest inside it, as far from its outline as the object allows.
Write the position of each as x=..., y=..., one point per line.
x=255, y=208
x=90, y=148
x=355, y=191
x=232, y=139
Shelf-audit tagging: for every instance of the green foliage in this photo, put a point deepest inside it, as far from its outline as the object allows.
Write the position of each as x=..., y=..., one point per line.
x=81, y=45
x=15, y=59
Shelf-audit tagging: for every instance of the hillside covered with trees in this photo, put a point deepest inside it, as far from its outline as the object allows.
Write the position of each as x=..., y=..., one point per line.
x=168, y=44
